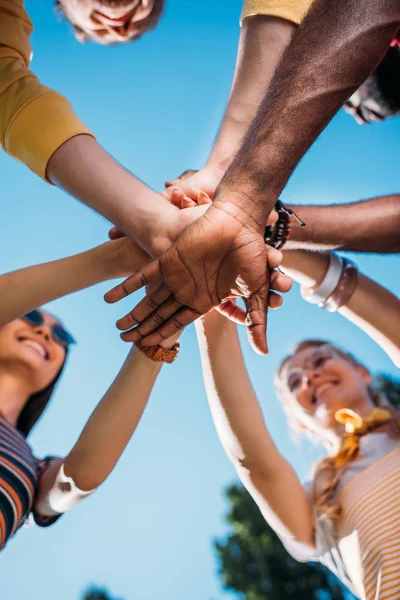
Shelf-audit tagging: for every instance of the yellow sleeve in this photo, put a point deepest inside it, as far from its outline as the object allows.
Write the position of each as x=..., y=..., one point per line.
x=290, y=10
x=34, y=120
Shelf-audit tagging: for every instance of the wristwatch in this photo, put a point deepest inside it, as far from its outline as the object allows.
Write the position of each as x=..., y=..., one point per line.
x=160, y=354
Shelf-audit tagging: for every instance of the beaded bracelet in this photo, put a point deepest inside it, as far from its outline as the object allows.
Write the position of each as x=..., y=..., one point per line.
x=277, y=235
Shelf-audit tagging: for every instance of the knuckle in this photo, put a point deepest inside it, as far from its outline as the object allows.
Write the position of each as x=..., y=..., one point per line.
x=151, y=303
x=177, y=324
x=143, y=279
x=158, y=319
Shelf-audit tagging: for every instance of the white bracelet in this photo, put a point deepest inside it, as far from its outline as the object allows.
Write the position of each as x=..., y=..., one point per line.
x=63, y=496
x=327, y=285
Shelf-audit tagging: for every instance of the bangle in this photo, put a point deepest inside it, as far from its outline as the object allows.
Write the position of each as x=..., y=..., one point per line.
x=158, y=353
x=327, y=285
x=277, y=235
x=345, y=288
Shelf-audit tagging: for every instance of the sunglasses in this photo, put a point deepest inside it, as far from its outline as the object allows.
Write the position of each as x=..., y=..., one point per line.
x=315, y=361
x=60, y=335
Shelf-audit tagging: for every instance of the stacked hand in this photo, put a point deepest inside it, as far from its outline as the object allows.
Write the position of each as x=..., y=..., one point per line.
x=191, y=181
x=218, y=257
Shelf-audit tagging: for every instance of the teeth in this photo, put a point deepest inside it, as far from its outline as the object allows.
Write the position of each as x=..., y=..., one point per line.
x=36, y=347
x=323, y=387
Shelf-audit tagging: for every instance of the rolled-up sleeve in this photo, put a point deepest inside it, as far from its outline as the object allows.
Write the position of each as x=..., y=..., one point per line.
x=290, y=10
x=34, y=120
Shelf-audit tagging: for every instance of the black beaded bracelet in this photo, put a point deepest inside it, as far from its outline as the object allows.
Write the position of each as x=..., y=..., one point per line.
x=277, y=235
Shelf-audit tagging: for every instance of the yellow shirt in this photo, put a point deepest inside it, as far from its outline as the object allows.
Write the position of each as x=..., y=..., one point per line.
x=34, y=120
x=290, y=10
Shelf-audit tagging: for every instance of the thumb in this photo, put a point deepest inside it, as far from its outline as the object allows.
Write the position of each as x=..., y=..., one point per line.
x=115, y=233
x=256, y=320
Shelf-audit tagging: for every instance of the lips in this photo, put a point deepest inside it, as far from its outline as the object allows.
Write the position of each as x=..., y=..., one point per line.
x=36, y=345
x=321, y=388
x=114, y=20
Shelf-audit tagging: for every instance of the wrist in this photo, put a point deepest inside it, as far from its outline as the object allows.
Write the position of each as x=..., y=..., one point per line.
x=300, y=237
x=170, y=342
x=307, y=268
x=217, y=164
x=249, y=211
x=102, y=260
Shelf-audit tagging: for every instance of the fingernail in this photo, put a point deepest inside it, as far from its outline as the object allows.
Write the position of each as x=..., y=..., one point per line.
x=248, y=321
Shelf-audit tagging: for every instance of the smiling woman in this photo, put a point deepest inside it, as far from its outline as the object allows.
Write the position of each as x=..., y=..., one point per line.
x=111, y=21
x=346, y=517
x=33, y=351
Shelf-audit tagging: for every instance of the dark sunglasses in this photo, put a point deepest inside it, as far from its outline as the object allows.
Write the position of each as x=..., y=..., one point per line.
x=60, y=335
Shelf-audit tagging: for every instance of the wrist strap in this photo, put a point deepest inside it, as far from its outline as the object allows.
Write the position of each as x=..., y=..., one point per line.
x=158, y=353
x=327, y=285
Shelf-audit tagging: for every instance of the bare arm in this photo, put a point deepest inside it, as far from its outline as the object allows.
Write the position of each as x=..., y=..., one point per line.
x=262, y=42
x=85, y=170
x=336, y=47
x=367, y=226
x=28, y=288
x=40, y=129
x=241, y=429
x=104, y=437
x=372, y=307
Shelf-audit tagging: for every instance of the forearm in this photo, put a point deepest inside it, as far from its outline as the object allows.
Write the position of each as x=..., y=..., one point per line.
x=113, y=422
x=86, y=171
x=262, y=42
x=372, y=307
x=366, y=226
x=28, y=288
x=332, y=52
x=237, y=416
x=234, y=407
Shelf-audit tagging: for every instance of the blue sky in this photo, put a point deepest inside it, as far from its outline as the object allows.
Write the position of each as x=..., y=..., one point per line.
x=156, y=105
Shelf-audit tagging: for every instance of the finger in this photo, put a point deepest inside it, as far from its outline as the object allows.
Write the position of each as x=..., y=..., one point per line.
x=188, y=202
x=274, y=257
x=173, y=195
x=256, y=320
x=274, y=300
x=169, y=184
x=157, y=318
x=146, y=306
x=115, y=233
x=149, y=274
x=204, y=198
x=166, y=194
x=194, y=194
x=185, y=175
x=273, y=217
x=232, y=311
x=176, y=197
x=183, y=317
x=280, y=282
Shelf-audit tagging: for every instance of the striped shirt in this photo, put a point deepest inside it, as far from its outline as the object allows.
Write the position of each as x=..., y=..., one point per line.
x=19, y=475
x=369, y=529
x=364, y=552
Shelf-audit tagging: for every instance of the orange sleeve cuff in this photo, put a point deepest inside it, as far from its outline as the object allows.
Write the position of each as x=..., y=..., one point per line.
x=39, y=128
x=290, y=10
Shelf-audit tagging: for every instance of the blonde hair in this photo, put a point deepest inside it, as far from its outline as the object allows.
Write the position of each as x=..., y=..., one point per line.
x=327, y=474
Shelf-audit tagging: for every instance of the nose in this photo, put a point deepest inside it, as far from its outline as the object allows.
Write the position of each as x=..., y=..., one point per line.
x=44, y=331
x=312, y=374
